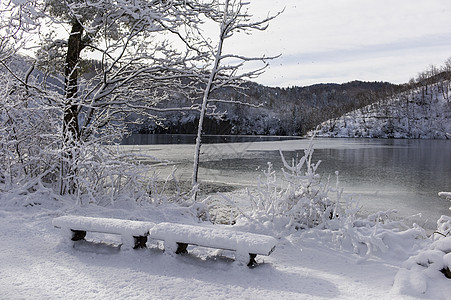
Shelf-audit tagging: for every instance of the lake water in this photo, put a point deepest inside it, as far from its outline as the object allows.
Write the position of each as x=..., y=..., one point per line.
x=381, y=174
x=155, y=139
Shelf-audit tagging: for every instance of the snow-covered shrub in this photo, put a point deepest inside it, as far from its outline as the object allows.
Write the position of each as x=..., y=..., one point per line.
x=28, y=138
x=443, y=227
x=444, y=223
x=105, y=174
x=378, y=234
x=33, y=154
x=169, y=190
x=302, y=201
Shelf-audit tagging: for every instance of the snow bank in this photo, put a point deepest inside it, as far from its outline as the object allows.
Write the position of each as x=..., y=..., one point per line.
x=427, y=270
x=380, y=240
x=430, y=269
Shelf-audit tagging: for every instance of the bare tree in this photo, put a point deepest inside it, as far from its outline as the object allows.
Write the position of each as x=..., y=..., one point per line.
x=227, y=69
x=138, y=64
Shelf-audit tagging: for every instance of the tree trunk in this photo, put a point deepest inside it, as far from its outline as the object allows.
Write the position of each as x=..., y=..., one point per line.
x=206, y=95
x=70, y=114
x=74, y=47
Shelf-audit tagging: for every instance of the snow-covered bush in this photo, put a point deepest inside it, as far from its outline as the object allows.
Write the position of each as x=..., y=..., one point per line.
x=28, y=138
x=443, y=227
x=33, y=153
x=301, y=201
x=105, y=174
x=444, y=223
x=378, y=234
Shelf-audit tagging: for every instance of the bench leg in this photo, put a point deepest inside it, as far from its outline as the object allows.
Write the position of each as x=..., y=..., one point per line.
x=78, y=235
x=446, y=271
x=140, y=242
x=252, y=261
x=181, y=248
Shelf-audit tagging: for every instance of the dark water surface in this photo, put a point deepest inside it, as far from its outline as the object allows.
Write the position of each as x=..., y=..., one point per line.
x=158, y=139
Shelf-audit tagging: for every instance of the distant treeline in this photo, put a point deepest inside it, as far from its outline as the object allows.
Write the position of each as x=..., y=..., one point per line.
x=283, y=111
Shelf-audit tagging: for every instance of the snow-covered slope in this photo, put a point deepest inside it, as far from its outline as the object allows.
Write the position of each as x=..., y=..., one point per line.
x=423, y=112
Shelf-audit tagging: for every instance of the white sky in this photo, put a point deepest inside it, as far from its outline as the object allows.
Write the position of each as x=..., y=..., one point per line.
x=343, y=40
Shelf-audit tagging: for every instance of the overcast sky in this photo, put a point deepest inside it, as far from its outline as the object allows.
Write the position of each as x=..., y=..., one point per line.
x=343, y=40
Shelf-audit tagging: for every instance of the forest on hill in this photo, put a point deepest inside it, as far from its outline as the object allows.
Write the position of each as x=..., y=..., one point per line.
x=417, y=109
x=272, y=111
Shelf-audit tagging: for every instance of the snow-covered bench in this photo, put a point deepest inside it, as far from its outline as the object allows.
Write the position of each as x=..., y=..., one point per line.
x=176, y=237
x=133, y=233
x=246, y=245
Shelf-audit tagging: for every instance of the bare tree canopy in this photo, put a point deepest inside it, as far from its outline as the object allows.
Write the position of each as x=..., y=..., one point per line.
x=103, y=63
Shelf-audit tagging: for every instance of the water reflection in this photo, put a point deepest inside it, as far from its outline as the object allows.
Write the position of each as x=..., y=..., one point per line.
x=158, y=139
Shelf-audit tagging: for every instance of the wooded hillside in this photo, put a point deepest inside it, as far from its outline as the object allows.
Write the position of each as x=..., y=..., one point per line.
x=283, y=111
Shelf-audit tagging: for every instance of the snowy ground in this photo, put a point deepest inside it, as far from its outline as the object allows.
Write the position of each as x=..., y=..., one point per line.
x=35, y=264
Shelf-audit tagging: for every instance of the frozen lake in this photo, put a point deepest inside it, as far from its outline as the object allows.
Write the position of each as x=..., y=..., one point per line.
x=381, y=174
